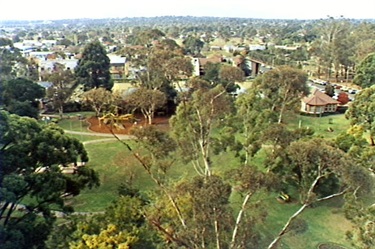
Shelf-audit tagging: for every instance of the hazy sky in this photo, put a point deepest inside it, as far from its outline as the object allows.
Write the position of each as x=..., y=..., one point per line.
x=284, y=9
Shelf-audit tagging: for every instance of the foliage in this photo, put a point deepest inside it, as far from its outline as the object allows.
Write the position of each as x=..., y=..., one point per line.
x=195, y=122
x=254, y=119
x=21, y=96
x=343, y=98
x=12, y=63
x=362, y=215
x=62, y=80
x=365, y=72
x=92, y=69
x=101, y=100
x=225, y=75
x=329, y=90
x=361, y=111
x=32, y=182
x=147, y=101
x=122, y=226
x=193, y=45
x=282, y=87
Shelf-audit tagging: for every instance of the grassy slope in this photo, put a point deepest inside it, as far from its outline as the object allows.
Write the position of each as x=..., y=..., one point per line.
x=116, y=165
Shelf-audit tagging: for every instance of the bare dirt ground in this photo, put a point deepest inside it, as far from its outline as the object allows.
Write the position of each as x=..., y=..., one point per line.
x=161, y=123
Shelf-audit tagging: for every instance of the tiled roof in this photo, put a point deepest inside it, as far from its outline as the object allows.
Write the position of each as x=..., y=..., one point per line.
x=317, y=98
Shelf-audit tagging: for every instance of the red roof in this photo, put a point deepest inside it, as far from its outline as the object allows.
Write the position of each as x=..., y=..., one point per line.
x=317, y=98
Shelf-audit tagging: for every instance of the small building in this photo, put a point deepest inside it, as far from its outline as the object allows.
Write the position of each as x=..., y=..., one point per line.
x=118, y=68
x=318, y=103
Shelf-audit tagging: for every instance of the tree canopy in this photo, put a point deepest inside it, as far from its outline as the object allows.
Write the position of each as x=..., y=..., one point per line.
x=365, y=72
x=22, y=96
x=92, y=69
x=31, y=178
x=283, y=88
x=362, y=111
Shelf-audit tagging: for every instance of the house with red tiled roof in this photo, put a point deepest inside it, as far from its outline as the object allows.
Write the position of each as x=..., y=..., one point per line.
x=318, y=103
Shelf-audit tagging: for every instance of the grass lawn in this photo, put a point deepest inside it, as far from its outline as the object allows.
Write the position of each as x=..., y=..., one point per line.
x=337, y=123
x=116, y=165
x=326, y=223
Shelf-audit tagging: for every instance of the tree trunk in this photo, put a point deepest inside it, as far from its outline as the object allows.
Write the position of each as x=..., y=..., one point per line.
x=216, y=223
x=285, y=228
x=205, y=158
x=372, y=142
x=10, y=211
x=61, y=111
x=239, y=217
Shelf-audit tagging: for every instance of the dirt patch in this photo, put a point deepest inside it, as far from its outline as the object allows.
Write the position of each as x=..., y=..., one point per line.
x=124, y=127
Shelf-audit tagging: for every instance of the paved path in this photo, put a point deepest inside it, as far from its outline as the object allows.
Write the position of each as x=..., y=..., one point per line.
x=97, y=134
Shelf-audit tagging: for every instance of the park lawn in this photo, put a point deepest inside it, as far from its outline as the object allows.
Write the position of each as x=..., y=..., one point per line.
x=74, y=124
x=116, y=165
x=328, y=126
x=326, y=223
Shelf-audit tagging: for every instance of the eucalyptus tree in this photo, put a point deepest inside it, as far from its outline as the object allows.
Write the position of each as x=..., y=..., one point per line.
x=365, y=72
x=361, y=111
x=282, y=88
x=321, y=172
x=12, y=63
x=364, y=36
x=63, y=81
x=335, y=46
x=148, y=101
x=195, y=122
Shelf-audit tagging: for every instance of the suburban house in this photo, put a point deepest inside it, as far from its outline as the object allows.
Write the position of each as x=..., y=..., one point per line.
x=117, y=68
x=199, y=63
x=318, y=103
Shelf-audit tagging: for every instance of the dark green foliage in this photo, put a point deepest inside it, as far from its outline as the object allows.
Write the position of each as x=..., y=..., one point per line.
x=193, y=45
x=21, y=96
x=361, y=111
x=365, y=72
x=93, y=68
x=31, y=180
x=329, y=90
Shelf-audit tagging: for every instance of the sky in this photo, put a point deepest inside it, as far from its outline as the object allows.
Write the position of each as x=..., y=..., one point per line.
x=268, y=9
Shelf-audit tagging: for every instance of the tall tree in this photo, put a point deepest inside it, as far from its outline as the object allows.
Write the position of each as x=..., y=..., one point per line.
x=92, y=69
x=335, y=46
x=361, y=111
x=31, y=178
x=254, y=118
x=229, y=75
x=195, y=122
x=283, y=88
x=365, y=72
x=322, y=172
x=62, y=81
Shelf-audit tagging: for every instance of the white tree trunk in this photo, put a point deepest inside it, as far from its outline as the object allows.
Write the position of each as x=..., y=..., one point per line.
x=239, y=217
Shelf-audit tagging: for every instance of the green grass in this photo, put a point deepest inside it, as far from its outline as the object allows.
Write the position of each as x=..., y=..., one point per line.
x=337, y=122
x=116, y=165
x=325, y=224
